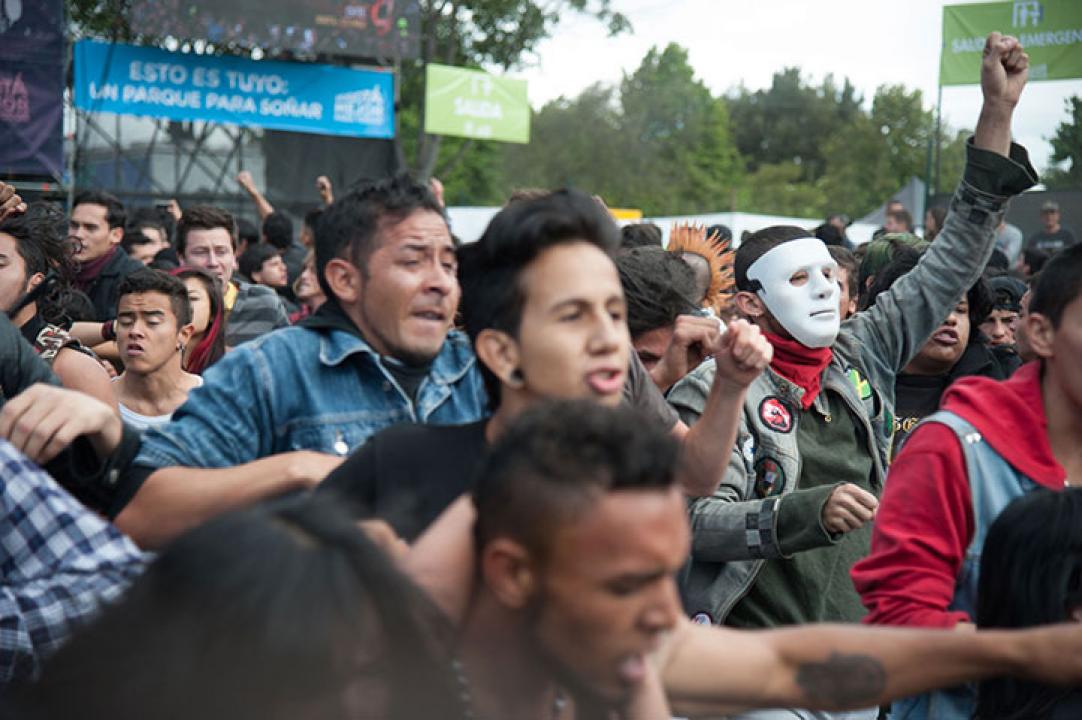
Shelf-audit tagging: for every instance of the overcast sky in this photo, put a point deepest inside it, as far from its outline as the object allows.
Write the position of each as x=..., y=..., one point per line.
x=871, y=42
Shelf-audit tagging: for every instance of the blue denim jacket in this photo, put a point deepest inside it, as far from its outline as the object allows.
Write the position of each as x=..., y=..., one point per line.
x=307, y=389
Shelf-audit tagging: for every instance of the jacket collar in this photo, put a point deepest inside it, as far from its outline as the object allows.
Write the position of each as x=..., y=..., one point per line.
x=454, y=360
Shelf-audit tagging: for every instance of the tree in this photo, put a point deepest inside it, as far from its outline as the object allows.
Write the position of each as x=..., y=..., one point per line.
x=791, y=121
x=495, y=34
x=1067, y=148
x=777, y=189
x=662, y=144
x=574, y=143
x=681, y=158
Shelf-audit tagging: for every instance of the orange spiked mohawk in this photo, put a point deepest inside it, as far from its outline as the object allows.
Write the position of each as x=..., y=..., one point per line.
x=692, y=239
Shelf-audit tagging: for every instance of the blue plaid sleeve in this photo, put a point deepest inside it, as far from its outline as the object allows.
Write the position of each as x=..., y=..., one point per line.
x=59, y=563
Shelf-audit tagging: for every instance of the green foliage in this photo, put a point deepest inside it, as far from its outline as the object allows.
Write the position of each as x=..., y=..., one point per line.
x=663, y=145
x=1067, y=148
x=777, y=189
x=788, y=122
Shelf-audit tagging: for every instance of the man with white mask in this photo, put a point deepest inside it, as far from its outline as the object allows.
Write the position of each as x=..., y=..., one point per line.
x=774, y=545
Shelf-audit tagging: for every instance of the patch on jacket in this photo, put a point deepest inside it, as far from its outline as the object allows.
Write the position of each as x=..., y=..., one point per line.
x=775, y=414
x=863, y=387
x=769, y=477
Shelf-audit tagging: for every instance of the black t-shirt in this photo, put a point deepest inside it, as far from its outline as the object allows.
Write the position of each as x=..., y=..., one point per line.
x=1051, y=243
x=916, y=397
x=408, y=474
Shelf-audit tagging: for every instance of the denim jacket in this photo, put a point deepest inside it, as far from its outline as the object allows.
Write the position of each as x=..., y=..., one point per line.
x=308, y=389
x=735, y=530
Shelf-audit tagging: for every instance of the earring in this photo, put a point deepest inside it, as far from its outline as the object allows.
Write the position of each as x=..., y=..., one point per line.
x=515, y=378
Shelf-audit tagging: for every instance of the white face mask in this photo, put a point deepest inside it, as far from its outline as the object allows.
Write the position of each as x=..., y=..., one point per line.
x=808, y=309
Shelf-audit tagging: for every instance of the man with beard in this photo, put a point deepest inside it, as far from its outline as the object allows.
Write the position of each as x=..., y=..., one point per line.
x=279, y=412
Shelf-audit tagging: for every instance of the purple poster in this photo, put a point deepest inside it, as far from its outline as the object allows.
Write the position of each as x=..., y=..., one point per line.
x=31, y=88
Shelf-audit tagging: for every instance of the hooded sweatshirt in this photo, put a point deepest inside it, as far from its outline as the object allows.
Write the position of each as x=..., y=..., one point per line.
x=925, y=521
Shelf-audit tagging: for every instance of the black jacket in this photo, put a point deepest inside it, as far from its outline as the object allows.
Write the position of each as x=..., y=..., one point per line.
x=104, y=290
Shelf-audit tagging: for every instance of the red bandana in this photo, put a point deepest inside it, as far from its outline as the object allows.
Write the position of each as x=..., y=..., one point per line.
x=803, y=366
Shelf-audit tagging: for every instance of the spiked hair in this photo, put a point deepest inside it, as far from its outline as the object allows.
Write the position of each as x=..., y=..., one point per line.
x=693, y=240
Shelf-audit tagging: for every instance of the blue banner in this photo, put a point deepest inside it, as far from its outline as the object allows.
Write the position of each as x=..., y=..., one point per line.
x=318, y=99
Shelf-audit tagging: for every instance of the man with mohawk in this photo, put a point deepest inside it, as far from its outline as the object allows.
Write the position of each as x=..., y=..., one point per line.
x=774, y=545
x=711, y=260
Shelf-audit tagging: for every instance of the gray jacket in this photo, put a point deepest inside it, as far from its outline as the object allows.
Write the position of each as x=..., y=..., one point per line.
x=735, y=530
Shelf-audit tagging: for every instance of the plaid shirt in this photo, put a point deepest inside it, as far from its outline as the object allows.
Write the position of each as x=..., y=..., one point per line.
x=59, y=563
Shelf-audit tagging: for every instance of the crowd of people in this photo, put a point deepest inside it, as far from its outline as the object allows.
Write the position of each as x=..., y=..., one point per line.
x=563, y=471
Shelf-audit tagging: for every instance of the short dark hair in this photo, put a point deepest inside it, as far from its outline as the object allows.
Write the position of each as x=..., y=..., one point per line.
x=903, y=217
x=756, y=245
x=830, y=235
x=658, y=286
x=252, y=259
x=848, y=262
x=132, y=238
x=247, y=232
x=41, y=240
x=556, y=458
x=278, y=230
x=638, y=235
x=1030, y=575
x=1059, y=285
x=146, y=280
x=350, y=227
x=490, y=270
x=114, y=209
x=157, y=218
x=204, y=217
x=719, y=233
x=877, y=255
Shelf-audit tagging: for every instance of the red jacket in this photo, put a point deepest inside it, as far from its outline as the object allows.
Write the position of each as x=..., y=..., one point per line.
x=925, y=518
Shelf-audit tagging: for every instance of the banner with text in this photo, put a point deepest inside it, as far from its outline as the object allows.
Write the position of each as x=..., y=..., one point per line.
x=317, y=99
x=1050, y=31
x=474, y=104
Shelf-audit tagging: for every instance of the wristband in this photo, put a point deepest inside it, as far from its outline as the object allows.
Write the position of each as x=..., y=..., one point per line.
x=108, y=331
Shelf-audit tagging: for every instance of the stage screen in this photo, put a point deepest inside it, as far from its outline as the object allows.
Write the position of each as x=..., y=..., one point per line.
x=381, y=29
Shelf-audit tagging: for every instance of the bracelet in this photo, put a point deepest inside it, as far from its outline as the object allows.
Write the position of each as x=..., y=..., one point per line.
x=108, y=332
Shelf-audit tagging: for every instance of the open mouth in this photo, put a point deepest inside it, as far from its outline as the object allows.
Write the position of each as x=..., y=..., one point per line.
x=946, y=337
x=431, y=316
x=606, y=381
x=633, y=669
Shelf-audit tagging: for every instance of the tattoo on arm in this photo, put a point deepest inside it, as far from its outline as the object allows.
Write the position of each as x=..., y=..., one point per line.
x=842, y=680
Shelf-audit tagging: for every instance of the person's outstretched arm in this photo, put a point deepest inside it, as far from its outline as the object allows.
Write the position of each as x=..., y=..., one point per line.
x=262, y=205
x=713, y=671
x=893, y=330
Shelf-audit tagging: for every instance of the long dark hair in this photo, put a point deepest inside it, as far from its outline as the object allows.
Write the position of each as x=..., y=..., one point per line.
x=1031, y=574
x=41, y=240
x=281, y=611
x=211, y=346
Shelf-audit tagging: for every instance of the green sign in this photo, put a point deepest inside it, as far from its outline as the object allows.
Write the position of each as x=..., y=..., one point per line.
x=474, y=104
x=1050, y=31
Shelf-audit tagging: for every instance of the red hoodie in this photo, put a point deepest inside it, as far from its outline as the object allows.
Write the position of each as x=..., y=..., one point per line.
x=925, y=518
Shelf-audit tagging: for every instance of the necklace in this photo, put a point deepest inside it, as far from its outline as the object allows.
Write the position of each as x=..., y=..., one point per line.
x=465, y=694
